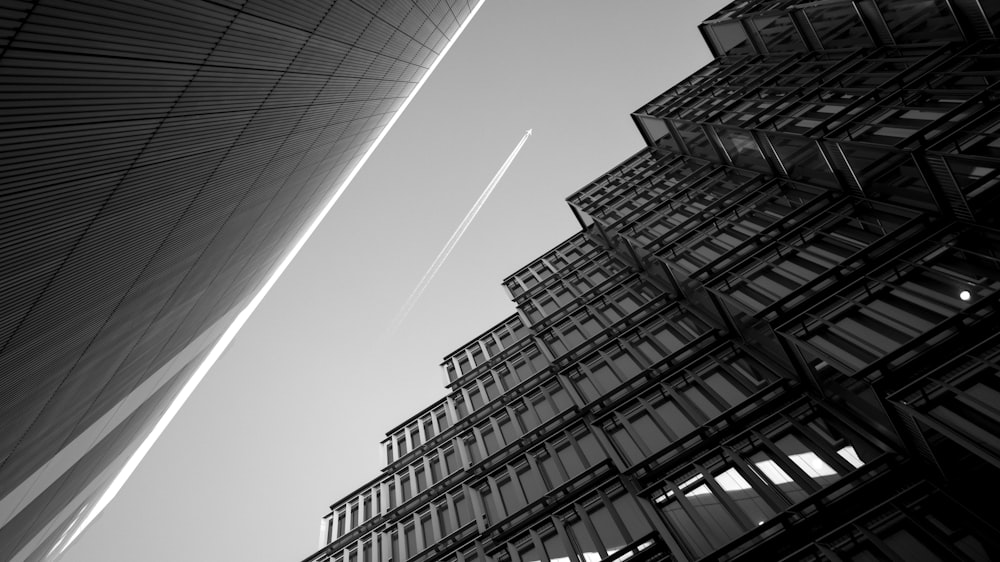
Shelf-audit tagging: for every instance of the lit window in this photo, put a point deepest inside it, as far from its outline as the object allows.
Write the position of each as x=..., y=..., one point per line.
x=812, y=465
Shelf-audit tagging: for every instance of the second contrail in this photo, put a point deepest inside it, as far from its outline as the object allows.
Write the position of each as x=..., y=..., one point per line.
x=425, y=281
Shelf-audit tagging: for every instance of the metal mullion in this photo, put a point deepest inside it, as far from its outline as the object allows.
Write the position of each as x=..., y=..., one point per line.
x=418, y=530
x=956, y=436
x=659, y=422
x=452, y=512
x=762, y=237
x=539, y=545
x=424, y=438
x=879, y=544
x=615, y=517
x=404, y=549
x=734, y=374
x=820, y=448
x=709, y=392
x=941, y=546
x=687, y=406
x=491, y=483
x=565, y=538
x=515, y=481
x=581, y=512
x=536, y=468
x=707, y=532
x=786, y=464
x=984, y=409
x=728, y=503
x=551, y=450
x=632, y=433
x=766, y=490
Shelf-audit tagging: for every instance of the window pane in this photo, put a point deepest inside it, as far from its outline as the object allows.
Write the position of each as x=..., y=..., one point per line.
x=746, y=498
x=606, y=528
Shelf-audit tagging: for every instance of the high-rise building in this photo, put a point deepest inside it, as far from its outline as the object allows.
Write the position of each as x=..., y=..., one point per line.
x=774, y=338
x=158, y=162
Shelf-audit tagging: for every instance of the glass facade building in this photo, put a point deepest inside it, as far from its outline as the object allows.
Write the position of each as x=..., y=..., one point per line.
x=774, y=337
x=158, y=160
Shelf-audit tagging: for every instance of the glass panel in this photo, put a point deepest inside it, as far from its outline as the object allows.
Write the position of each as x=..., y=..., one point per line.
x=778, y=33
x=588, y=551
x=463, y=509
x=770, y=470
x=531, y=482
x=746, y=498
x=674, y=418
x=591, y=448
x=709, y=524
x=513, y=498
x=743, y=149
x=427, y=530
x=802, y=160
x=444, y=519
x=647, y=430
x=606, y=528
x=838, y=26
x=807, y=460
x=636, y=524
x=730, y=38
x=569, y=458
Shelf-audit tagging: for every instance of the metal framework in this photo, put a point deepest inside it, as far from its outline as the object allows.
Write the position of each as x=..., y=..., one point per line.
x=774, y=336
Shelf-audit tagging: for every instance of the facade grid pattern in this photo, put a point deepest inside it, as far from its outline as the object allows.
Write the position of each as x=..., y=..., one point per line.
x=773, y=338
x=157, y=162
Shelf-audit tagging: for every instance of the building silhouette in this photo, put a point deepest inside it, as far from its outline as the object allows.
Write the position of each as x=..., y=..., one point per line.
x=158, y=160
x=774, y=337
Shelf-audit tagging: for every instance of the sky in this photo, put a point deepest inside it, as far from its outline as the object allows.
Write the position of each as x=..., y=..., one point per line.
x=290, y=419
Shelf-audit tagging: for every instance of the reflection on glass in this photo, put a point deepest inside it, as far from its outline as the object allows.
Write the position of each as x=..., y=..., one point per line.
x=812, y=465
x=773, y=472
x=851, y=456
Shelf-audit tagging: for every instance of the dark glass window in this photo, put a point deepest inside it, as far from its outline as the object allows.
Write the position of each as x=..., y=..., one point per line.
x=899, y=303
x=490, y=439
x=743, y=149
x=435, y=464
x=569, y=458
x=801, y=159
x=730, y=38
x=550, y=468
x=463, y=508
x=404, y=484
x=444, y=519
x=778, y=33
x=451, y=460
x=511, y=494
x=701, y=518
x=838, y=26
x=508, y=429
x=635, y=523
x=919, y=22
x=410, y=538
x=531, y=482
x=472, y=447
x=608, y=531
x=527, y=417
x=427, y=529
x=592, y=450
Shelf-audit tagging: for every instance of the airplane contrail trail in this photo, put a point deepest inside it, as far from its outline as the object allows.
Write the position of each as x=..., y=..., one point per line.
x=425, y=281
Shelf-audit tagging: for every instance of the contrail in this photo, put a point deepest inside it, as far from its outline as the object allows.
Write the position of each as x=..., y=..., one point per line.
x=455, y=237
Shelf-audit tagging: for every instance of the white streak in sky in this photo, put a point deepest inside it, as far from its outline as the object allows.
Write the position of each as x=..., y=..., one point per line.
x=425, y=281
x=82, y=522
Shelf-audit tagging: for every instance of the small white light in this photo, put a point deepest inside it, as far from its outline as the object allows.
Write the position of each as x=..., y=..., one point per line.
x=759, y=523
x=965, y=295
